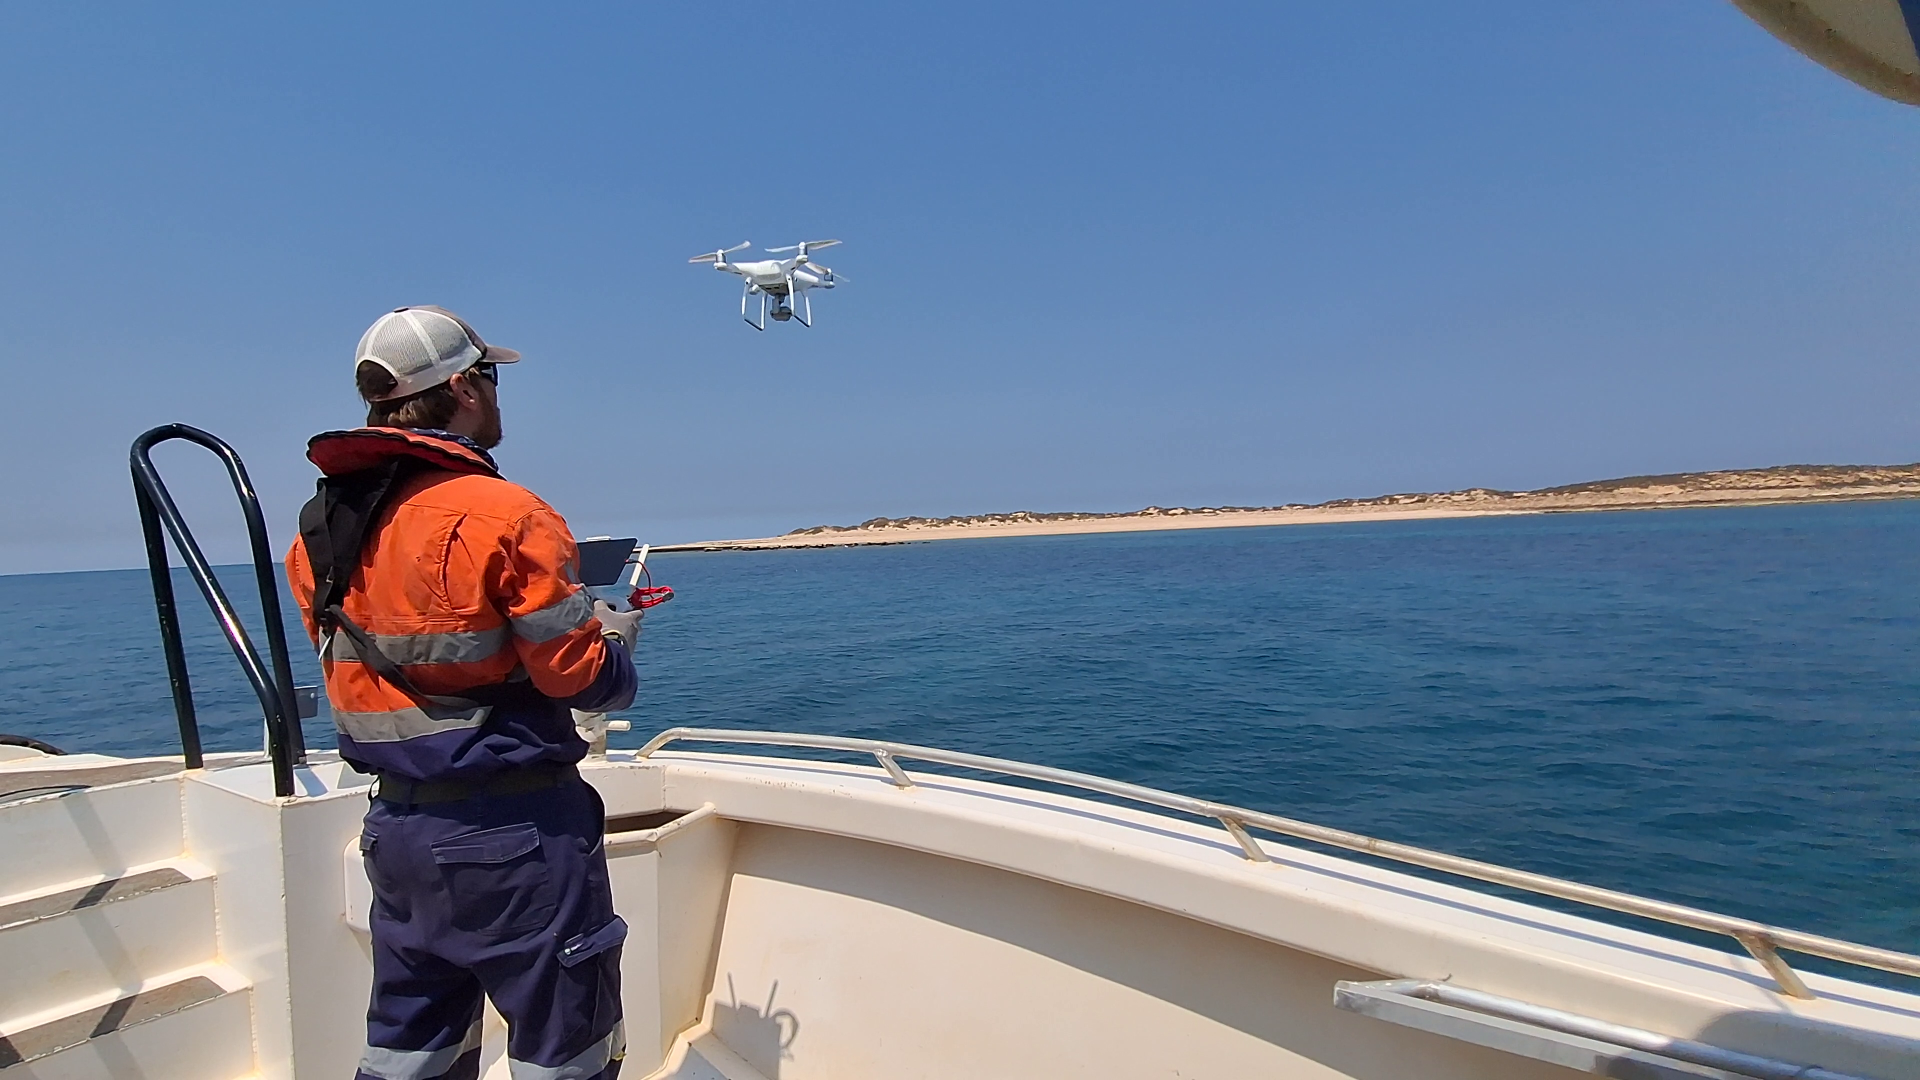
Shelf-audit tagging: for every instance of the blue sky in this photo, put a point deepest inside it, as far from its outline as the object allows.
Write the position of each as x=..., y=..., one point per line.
x=1102, y=255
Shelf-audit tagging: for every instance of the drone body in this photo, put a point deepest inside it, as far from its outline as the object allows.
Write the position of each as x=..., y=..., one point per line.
x=786, y=281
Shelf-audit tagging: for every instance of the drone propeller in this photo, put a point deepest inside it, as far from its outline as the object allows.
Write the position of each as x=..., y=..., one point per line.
x=803, y=247
x=721, y=255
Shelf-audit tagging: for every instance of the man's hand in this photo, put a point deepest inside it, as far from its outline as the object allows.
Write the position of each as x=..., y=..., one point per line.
x=624, y=625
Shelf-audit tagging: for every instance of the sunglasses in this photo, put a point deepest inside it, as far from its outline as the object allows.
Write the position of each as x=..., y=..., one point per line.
x=484, y=370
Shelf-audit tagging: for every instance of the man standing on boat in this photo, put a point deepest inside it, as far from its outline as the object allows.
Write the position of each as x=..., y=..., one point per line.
x=455, y=640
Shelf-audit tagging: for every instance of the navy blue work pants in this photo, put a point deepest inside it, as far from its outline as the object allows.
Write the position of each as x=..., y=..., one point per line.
x=505, y=896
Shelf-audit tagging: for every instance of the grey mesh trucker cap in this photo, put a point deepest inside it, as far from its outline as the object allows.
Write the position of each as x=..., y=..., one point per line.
x=423, y=347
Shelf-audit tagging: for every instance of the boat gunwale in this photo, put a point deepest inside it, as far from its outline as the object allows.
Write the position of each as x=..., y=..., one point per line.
x=1760, y=940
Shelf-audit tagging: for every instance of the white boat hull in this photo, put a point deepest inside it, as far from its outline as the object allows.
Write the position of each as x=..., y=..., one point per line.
x=795, y=920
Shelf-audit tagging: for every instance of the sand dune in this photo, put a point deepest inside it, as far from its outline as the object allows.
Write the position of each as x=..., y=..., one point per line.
x=1734, y=487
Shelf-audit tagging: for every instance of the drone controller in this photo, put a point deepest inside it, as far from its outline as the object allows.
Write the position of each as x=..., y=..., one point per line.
x=615, y=570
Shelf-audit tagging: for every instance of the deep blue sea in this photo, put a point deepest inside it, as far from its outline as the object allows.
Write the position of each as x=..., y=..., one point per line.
x=1719, y=707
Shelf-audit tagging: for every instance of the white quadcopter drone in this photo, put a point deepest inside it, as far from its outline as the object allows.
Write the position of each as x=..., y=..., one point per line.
x=786, y=280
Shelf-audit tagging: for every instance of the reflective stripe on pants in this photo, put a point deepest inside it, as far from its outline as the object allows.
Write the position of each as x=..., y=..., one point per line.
x=419, y=1064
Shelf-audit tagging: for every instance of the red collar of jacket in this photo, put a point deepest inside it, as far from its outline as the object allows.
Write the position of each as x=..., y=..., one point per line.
x=340, y=452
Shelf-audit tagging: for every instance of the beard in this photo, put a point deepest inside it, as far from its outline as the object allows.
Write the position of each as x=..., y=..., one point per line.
x=489, y=435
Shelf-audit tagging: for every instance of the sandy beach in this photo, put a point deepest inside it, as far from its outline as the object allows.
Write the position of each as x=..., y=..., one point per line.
x=1737, y=487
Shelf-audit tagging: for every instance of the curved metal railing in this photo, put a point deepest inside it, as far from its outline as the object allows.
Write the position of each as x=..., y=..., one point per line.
x=285, y=745
x=1759, y=939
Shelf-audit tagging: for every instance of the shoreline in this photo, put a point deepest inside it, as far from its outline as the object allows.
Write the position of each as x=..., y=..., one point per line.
x=1780, y=485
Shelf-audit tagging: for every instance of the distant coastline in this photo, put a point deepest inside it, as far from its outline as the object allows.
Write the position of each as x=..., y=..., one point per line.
x=1732, y=487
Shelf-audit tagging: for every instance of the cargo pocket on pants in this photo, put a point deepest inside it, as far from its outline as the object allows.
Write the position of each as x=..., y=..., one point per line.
x=497, y=881
x=370, y=863
x=594, y=958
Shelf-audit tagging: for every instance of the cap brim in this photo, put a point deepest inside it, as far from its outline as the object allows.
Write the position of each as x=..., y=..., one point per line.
x=494, y=354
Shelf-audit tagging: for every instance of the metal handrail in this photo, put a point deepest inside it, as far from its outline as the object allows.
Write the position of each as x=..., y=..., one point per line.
x=286, y=746
x=1471, y=1008
x=1759, y=939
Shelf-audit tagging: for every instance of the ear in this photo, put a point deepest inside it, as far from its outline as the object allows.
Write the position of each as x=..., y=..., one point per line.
x=463, y=389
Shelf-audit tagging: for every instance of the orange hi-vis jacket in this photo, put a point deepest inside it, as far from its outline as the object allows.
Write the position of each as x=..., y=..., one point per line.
x=466, y=583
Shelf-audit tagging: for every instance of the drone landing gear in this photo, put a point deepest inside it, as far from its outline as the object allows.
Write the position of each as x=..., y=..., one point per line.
x=792, y=303
x=784, y=309
x=745, y=292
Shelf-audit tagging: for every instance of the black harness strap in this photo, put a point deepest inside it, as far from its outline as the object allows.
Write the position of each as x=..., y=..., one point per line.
x=334, y=526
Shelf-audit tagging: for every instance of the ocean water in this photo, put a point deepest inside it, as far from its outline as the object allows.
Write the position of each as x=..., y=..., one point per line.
x=1717, y=707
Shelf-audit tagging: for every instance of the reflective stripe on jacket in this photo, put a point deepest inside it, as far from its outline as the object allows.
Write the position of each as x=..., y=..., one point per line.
x=468, y=583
